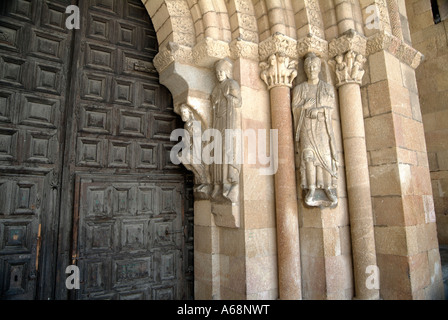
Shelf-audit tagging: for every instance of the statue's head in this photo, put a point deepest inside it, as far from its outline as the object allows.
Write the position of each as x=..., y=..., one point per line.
x=312, y=66
x=185, y=113
x=224, y=69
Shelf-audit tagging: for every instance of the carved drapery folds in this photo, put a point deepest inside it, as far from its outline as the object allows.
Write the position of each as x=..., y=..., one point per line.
x=313, y=102
x=215, y=146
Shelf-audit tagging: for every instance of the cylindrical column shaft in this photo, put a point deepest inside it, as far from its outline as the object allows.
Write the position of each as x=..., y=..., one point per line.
x=358, y=188
x=288, y=249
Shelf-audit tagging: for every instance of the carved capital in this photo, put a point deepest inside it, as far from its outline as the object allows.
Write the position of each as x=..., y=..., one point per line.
x=277, y=43
x=314, y=44
x=349, y=68
x=278, y=71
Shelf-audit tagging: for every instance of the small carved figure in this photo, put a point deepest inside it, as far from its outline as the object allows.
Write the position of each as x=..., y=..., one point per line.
x=226, y=104
x=312, y=105
x=357, y=70
x=201, y=170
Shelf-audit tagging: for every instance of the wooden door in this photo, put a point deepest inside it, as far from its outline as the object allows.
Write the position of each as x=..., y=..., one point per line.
x=129, y=227
x=35, y=50
x=85, y=172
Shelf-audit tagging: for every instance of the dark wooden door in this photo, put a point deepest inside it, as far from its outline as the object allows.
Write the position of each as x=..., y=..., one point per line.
x=35, y=49
x=86, y=177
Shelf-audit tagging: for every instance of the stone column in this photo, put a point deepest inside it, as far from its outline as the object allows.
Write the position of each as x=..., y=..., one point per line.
x=288, y=249
x=348, y=66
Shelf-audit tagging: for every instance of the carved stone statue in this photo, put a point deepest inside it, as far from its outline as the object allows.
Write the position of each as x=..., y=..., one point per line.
x=226, y=104
x=201, y=170
x=312, y=106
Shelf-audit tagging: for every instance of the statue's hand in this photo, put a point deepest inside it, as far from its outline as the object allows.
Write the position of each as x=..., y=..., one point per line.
x=309, y=103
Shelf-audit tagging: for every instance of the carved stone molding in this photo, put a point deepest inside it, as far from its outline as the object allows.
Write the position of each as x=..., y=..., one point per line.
x=402, y=51
x=280, y=70
x=172, y=52
x=350, y=41
x=240, y=48
x=312, y=43
x=208, y=51
x=277, y=44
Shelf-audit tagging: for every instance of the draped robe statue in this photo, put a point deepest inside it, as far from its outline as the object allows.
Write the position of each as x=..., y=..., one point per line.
x=312, y=105
x=226, y=104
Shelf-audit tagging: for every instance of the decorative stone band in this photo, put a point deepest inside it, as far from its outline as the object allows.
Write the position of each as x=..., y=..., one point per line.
x=350, y=40
x=312, y=43
x=205, y=53
x=383, y=40
x=277, y=44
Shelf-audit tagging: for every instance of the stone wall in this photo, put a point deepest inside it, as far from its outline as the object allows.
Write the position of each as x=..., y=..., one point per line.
x=432, y=82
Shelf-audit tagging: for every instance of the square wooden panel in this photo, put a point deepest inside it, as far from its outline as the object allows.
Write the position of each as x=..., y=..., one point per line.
x=123, y=92
x=96, y=119
x=48, y=79
x=8, y=144
x=127, y=271
x=39, y=112
x=99, y=237
x=109, y=7
x=132, y=123
x=10, y=36
x=53, y=16
x=15, y=236
x=24, y=10
x=99, y=28
x=127, y=35
x=41, y=147
x=162, y=126
x=89, y=152
x=100, y=57
x=146, y=155
x=7, y=99
x=95, y=87
x=124, y=202
x=47, y=46
x=97, y=201
x=12, y=71
x=120, y=154
x=26, y=198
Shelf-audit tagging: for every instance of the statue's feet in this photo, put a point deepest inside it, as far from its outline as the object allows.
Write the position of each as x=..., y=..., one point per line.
x=309, y=199
x=331, y=196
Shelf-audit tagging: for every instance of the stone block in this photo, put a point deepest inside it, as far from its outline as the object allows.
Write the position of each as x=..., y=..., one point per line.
x=391, y=240
x=380, y=132
x=388, y=211
x=394, y=277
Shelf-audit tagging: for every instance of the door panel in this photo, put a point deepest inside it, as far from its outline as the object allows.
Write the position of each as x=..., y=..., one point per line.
x=129, y=240
x=35, y=49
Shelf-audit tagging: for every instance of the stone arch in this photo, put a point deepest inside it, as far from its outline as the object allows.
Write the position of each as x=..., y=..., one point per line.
x=172, y=21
